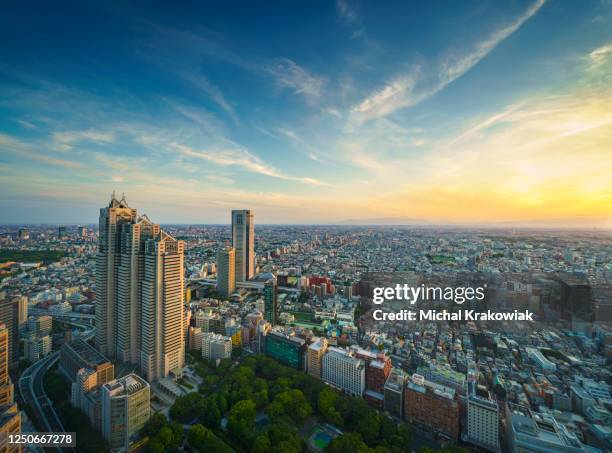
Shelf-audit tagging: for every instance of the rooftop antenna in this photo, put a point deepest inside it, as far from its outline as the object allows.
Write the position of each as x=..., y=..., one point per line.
x=113, y=195
x=123, y=197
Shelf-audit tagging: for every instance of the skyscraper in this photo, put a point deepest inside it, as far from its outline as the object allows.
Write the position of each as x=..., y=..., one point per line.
x=243, y=241
x=107, y=261
x=6, y=386
x=139, y=292
x=9, y=316
x=163, y=293
x=270, y=302
x=226, y=271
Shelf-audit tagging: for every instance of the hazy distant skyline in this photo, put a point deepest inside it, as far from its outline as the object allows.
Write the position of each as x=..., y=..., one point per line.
x=315, y=112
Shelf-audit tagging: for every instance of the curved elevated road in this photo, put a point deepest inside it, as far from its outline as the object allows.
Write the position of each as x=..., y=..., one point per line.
x=32, y=391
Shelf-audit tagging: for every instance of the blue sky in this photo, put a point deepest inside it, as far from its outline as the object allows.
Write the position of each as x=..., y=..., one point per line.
x=308, y=112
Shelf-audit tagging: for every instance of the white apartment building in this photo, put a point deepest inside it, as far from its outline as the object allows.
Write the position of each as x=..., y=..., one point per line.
x=341, y=369
x=215, y=346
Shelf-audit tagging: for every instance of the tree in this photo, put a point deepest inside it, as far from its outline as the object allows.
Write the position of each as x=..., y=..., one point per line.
x=291, y=404
x=347, y=442
x=241, y=421
x=154, y=424
x=197, y=435
x=261, y=444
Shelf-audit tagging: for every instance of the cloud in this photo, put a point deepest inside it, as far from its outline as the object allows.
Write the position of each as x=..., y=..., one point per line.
x=243, y=159
x=347, y=12
x=64, y=140
x=600, y=55
x=393, y=96
x=407, y=90
x=16, y=148
x=214, y=93
x=290, y=75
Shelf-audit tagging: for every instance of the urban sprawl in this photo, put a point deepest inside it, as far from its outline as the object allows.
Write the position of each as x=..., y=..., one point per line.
x=261, y=338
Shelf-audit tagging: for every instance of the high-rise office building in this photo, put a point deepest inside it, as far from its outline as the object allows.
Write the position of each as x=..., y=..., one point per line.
x=24, y=234
x=9, y=316
x=126, y=407
x=243, y=241
x=62, y=232
x=6, y=386
x=22, y=310
x=139, y=292
x=226, y=271
x=10, y=423
x=270, y=302
x=107, y=262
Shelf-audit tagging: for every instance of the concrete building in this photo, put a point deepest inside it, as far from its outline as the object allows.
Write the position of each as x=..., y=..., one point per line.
x=6, y=386
x=394, y=393
x=316, y=351
x=37, y=347
x=270, y=302
x=215, y=346
x=126, y=407
x=226, y=271
x=41, y=325
x=538, y=433
x=287, y=349
x=10, y=423
x=243, y=241
x=482, y=420
x=78, y=354
x=9, y=316
x=341, y=369
x=139, y=292
x=162, y=337
x=117, y=213
x=432, y=405
x=22, y=310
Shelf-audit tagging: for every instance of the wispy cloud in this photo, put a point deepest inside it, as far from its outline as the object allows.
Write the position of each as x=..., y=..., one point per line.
x=406, y=90
x=63, y=141
x=288, y=74
x=243, y=159
x=202, y=83
x=600, y=55
x=347, y=12
x=19, y=149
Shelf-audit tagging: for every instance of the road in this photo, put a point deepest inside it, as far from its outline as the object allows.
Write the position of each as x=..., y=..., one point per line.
x=32, y=391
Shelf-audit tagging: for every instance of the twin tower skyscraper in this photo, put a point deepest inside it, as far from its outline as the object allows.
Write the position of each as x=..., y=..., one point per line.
x=140, y=292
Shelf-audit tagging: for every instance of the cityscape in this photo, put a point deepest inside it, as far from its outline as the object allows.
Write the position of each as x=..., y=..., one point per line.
x=306, y=227
x=137, y=335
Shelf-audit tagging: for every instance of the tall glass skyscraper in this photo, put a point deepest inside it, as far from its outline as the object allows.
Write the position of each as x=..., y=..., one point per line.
x=243, y=241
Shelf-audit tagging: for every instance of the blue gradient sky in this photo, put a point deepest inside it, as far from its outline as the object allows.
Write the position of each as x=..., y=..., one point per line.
x=308, y=112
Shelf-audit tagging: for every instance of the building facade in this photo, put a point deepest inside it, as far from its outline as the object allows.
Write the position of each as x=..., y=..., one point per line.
x=243, y=241
x=126, y=407
x=341, y=369
x=215, y=346
x=432, y=405
x=139, y=292
x=226, y=271
x=316, y=351
x=288, y=350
